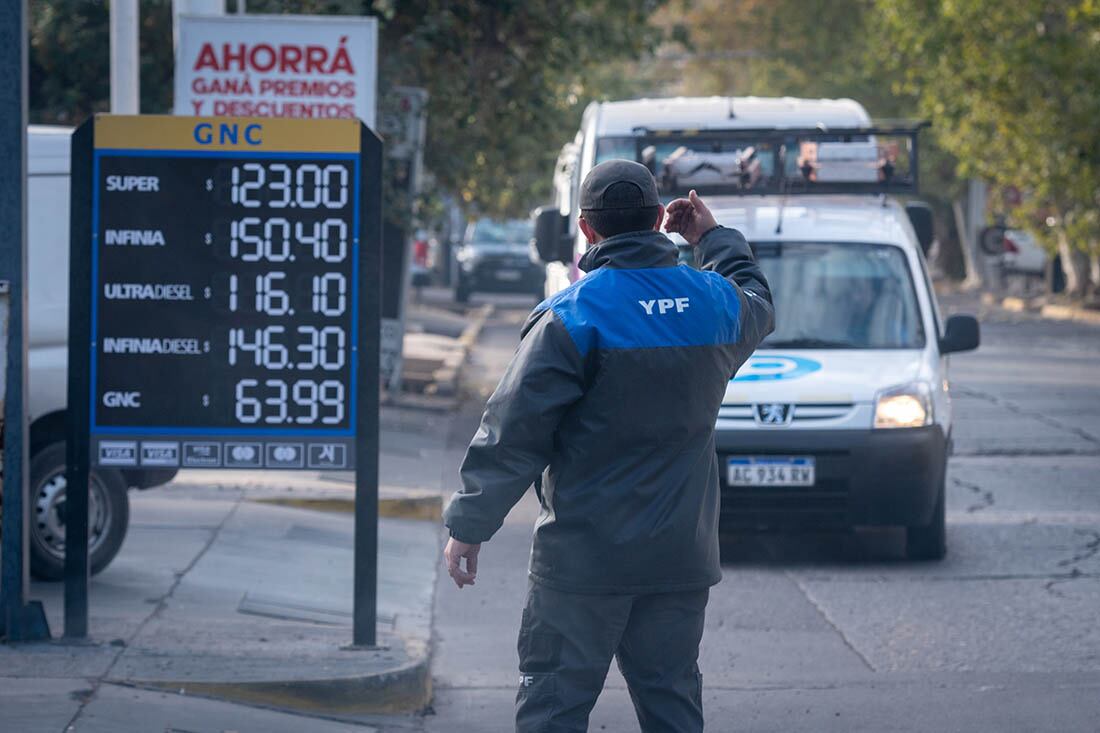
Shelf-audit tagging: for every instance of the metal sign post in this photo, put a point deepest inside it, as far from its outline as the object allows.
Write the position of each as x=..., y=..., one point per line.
x=224, y=309
x=20, y=620
x=365, y=602
x=404, y=121
x=77, y=561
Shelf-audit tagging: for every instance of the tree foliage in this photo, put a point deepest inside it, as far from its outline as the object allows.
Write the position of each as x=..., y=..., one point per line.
x=1012, y=89
x=69, y=63
x=813, y=48
x=1015, y=91
x=507, y=79
x=807, y=48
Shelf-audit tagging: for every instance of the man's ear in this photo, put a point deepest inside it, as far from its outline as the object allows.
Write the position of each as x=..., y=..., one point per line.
x=590, y=234
x=660, y=218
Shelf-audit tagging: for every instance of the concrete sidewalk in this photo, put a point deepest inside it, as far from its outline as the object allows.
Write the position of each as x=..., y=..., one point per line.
x=218, y=596
x=1044, y=307
x=229, y=605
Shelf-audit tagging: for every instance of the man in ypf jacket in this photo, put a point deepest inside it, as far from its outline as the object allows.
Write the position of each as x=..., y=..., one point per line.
x=611, y=401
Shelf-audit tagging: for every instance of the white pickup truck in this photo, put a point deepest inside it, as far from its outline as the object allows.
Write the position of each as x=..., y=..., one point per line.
x=48, y=325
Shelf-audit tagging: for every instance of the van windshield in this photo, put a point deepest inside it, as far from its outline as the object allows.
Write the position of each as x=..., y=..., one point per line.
x=840, y=296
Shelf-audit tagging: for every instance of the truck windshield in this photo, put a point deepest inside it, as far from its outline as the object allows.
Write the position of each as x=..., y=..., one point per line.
x=775, y=161
x=680, y=164
x=840, y=296
x=490, y=231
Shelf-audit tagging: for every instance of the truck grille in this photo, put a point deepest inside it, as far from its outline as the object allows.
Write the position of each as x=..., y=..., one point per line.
x=804, y=413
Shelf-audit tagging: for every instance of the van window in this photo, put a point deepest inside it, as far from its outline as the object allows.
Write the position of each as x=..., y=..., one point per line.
x=48, y=259
x=613, y=148
x=840, y=296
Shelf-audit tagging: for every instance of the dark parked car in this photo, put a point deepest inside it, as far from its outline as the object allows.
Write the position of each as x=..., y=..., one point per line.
x=496, y=257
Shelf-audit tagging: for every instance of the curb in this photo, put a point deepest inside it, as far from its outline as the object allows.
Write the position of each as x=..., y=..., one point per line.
x=471, y=332
x=1051, y=311
x=1070, y=313
x=447, y=378
x=429, y=508
x=441, y=386
x=404, y=689
x=1016, y=305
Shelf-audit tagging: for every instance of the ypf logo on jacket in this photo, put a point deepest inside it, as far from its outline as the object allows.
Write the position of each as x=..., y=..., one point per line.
x=664, y=305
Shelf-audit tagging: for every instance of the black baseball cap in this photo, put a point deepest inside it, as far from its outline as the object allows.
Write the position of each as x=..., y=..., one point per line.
x=618, y=184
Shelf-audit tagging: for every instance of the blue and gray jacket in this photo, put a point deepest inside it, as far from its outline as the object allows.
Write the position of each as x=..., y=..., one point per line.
x=612, y=398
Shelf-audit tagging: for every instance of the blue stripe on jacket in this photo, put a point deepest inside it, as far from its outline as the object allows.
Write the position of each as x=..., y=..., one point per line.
x=648, y=308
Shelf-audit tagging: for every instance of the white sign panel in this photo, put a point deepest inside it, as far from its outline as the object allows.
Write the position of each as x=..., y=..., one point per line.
x=306, y=66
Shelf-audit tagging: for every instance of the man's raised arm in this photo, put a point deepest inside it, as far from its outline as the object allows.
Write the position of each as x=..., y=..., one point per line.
x=726, y=252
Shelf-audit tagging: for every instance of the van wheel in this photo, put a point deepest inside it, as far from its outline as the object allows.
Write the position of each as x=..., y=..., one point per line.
x=108, y=514
x=929, y=542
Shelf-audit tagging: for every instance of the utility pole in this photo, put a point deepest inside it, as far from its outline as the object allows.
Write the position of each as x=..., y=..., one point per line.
x=977, y=192
x=20, y=620
x=125, y=67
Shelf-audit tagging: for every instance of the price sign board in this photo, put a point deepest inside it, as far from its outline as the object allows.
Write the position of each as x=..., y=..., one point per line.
x=224, y=311
x=228, y=278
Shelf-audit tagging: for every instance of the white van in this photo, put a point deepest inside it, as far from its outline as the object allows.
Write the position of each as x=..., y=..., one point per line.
x=842, y=418
x=48, y=150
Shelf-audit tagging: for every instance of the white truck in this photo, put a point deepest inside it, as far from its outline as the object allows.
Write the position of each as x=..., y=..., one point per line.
x=842, y=418
x=48, y=151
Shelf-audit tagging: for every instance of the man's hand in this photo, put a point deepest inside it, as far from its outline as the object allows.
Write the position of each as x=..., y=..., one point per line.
x=453, y=554
x=690, y=218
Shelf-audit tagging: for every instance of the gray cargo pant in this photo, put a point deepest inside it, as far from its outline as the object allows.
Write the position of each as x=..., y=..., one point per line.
x=566, y=642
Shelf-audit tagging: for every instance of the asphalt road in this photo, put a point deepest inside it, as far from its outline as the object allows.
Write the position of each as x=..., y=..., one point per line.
x=840, y=634
x=820, y=633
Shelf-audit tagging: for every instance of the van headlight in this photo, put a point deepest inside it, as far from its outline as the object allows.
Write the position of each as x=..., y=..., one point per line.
x=906, y=406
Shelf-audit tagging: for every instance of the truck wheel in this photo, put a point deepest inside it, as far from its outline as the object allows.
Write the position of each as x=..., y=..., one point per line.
x=930, y=541
x=108, y=514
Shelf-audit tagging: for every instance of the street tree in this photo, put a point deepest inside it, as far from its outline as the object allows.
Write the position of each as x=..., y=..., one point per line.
x=1014, y=91
x=806, y=48
x=507, y=80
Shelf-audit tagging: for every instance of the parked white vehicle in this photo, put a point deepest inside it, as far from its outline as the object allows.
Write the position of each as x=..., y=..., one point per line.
x=1022, y=254
x=842, y=418
x=48, y=152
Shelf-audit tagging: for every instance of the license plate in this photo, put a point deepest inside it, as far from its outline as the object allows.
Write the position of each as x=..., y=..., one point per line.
x=509, y=275
x=771, y=471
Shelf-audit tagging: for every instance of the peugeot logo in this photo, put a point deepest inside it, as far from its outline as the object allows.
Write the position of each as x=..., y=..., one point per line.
x=773, y=413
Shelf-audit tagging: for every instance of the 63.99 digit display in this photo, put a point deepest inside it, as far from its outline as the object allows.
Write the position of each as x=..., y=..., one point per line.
x=224, y=294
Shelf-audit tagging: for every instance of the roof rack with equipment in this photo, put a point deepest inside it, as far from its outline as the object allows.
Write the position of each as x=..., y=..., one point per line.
x=882, y=159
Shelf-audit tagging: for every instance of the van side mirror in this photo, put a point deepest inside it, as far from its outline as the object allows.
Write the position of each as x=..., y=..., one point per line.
x=923, y=221
x=552, y=240
x=960, y=334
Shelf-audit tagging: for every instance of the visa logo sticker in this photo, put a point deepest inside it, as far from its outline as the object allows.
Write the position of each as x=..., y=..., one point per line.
x=771, y=368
